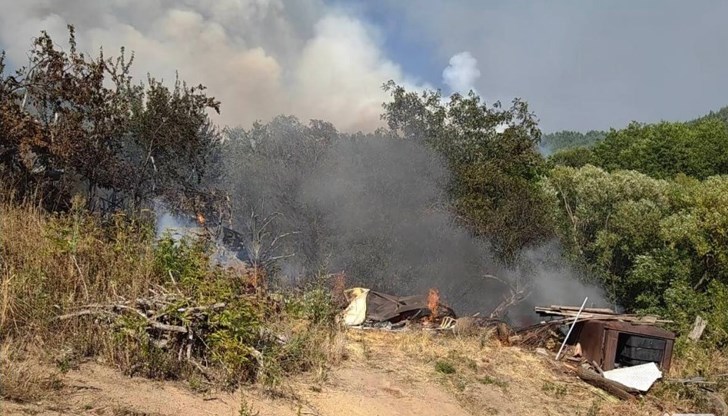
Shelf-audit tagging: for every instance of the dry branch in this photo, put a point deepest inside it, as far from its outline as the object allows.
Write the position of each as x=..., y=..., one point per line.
x=173, y=328
x=516, y=294
x=612, y=387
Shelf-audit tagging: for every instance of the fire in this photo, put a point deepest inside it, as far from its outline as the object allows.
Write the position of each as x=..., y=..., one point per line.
x=433, y=301
x=200, y=218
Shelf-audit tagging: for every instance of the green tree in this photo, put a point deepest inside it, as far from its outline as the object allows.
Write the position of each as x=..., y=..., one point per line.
x=658, y=246
x=492, y=154
x=665, y=149
x=575, y=157
x=563, y=140
x=77, y=124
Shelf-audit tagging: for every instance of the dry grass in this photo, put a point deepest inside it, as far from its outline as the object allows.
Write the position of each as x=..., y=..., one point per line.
x=50, y=263
x=24, y=379
x=53, y=264
x=485, y=372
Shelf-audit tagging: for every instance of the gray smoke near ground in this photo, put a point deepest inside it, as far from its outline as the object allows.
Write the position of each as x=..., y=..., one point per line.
x=376, y=208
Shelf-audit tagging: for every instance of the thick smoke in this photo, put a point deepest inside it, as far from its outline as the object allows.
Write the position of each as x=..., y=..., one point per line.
x=260, y=58
x=461, y=73
x=376, y=208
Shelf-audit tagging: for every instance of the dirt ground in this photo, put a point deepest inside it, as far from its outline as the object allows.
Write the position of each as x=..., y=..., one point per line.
x=385, y=374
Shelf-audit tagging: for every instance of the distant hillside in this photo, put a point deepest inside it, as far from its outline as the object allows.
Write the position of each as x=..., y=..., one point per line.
x=695, y=148
x=567, y=139
x=721, y=115
x=553, y=142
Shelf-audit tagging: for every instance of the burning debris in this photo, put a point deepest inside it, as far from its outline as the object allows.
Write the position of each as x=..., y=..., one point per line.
x=371, y=308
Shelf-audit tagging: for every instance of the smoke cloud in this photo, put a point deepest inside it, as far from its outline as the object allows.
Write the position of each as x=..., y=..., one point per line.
x=369, y=205
x=260, y=58
x=462, y=73
x=376, y=208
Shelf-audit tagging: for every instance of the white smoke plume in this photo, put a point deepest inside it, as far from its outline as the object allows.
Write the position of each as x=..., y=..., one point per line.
x=260, y=58
x=461, y=73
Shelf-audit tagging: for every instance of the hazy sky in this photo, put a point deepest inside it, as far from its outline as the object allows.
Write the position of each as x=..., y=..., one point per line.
x=580, y=64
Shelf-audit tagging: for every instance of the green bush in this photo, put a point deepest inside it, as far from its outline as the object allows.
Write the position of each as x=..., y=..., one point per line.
x=657, y=246
x=314, y=304
x=444, y=367
x=186, y=260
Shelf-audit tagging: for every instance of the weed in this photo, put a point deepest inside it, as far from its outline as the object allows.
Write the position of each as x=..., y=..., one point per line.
x=594, y=408
x=470, y=363
x=488, y=380
x=558, y=390
x=24, y=379
x=315, y=304
x=444, y=367
x=246, y=407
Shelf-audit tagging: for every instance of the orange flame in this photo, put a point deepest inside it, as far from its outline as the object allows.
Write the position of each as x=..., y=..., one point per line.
x=200, y=218
x=433, y=301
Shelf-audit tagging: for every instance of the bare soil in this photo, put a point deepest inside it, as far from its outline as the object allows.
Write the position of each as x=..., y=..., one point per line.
x=385, y=374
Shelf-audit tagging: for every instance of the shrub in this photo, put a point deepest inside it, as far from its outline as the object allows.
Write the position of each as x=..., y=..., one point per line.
x=444, y=367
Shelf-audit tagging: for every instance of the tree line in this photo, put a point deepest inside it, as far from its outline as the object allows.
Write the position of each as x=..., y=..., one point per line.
x=642, y=210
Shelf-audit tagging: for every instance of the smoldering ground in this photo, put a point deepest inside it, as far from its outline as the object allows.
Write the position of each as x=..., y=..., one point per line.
x=376, y=208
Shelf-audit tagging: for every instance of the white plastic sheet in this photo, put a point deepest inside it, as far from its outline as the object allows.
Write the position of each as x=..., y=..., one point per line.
x=640, y=377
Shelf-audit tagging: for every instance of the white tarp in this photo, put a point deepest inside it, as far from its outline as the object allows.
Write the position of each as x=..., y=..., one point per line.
x=356, y=312
x=640, y=377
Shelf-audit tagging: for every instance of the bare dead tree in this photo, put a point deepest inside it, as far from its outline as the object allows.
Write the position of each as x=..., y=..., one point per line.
x=262, y=247
x=517, y=293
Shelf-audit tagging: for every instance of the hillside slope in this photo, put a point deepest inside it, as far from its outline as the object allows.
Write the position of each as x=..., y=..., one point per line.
x=384, y=374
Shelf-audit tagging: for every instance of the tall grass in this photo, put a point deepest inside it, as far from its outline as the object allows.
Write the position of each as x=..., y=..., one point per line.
x=53, y=264
x=50, y=263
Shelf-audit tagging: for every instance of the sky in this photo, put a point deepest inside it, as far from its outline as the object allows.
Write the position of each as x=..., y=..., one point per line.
x=579, y=64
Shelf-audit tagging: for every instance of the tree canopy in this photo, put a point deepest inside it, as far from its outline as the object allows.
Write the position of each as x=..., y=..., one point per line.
x=659, y=246
x=567, y=139
x=70, y=123
x=665, y=149
x=493, y=155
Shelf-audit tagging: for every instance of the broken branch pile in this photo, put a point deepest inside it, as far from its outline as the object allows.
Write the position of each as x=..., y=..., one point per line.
x=172, y=321
x=537, y=335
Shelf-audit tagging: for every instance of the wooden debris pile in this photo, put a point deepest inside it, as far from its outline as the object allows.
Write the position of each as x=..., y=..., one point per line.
x=173, y=322
x=601, y=314
x=538, y=335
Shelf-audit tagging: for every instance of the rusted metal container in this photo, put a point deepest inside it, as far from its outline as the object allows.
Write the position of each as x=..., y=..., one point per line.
x=613, y=344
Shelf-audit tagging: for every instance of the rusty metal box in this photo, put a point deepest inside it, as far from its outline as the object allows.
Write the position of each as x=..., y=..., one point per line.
x=613, y=344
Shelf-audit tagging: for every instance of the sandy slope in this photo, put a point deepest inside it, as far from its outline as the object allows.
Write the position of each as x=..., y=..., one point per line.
x=352, y=390
x=386, y=374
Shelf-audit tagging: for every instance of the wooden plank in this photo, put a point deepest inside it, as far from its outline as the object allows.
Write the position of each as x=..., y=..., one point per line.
x=576, y=308
x=609, y=352
x=648, y=319
x=612, y=387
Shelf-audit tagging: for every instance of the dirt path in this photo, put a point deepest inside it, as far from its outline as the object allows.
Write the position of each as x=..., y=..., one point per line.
x=352, y=390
